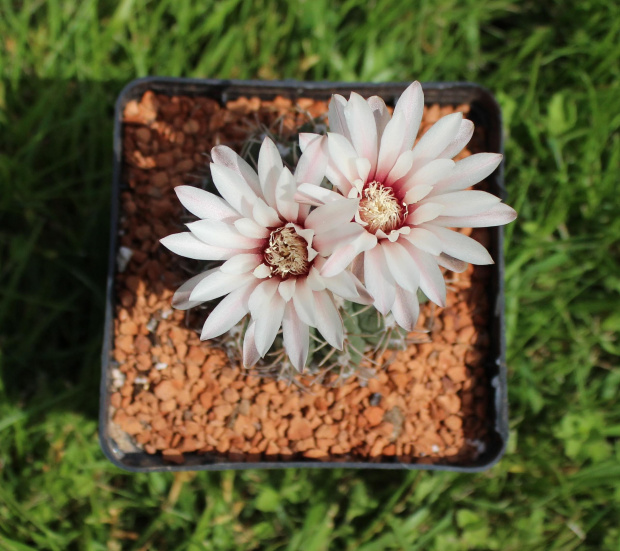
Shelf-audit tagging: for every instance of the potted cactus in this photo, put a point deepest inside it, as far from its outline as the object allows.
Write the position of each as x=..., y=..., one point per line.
x=290, y=325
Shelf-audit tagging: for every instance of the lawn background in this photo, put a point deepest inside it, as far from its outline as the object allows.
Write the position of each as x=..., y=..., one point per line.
x=555, y=68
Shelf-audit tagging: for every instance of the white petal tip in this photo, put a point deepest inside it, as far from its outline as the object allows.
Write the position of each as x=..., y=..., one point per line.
x=206, y=336
x=262, y=271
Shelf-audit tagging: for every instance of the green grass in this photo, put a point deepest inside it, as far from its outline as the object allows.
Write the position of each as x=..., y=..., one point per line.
x=555, y=68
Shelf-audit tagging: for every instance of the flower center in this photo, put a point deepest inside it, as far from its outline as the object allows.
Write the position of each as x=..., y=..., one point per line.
x=380, y=209
x=287, y=253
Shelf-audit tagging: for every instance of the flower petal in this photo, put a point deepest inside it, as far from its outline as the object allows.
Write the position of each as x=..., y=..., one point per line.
x=364, y=296
x=428, y=175
x=378, y=279
x=269, y=167
x=249, y=228
x=287, y=288
x=327, y=242
x=341, y=181
x=306, y=138
x=381, y=114
x=313, y=162
x=417, y=193
x=451, y=263
x=460, y=246
x=401, y=167
x=342, y=256
x=314, y=280
x=268, y=324
x=331, y=215
x=314, y=195
x=342, y=285
x=264, y=215
x=390, y=148
x=262, y=296
x=285, y=193
x=241, y=263
x=357, y=267
x=395, y=234
x=228, y=312
x=262, y=271
x=465, y=203
x=431, y=278
x=220, y=234
x=498, y=215
x=304, y=302
x=424, y=213
x=225, y=156
x=311, y=168
x=402, y=267
x=328, y=320
x=250, y=352
x=436, y=139
x=363, y=168
x=410, y=107
x=180, y=299
x=468, y=172
x=233, y=189
x=337, y=120
x=400, y=133
x=406, y=308
x=463, y=135
x=425, y=240
x=217, y=284
x=361, y=123
x=343, y=155
x=306, y=233
x=296, y=337
x=189, y=246
x=339, y=260
x=203, y=204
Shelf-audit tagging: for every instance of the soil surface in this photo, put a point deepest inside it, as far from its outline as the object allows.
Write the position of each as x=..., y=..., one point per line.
x=173, y=395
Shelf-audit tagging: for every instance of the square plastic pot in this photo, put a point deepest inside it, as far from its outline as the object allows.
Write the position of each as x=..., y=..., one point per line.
x=484, y=112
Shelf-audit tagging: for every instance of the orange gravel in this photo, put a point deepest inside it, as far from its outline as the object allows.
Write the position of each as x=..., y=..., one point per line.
x=173, y=395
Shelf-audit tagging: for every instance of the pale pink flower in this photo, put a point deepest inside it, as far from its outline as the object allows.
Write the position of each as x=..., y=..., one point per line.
x=408, y=198
x=274, y=249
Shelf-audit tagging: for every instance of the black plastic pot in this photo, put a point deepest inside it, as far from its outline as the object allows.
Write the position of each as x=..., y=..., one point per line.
x=484, y=112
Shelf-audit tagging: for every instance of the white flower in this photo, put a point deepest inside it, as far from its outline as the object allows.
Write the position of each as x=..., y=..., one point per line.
x=408, y=198
x=274, y=249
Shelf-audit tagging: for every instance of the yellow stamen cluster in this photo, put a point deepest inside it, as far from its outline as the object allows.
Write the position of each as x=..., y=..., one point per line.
x=287, y=253
x=380, y=209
